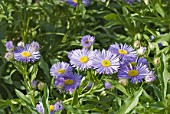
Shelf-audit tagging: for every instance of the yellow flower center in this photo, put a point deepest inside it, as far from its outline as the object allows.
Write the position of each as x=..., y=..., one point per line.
x=106, y=63
x=133, y=73
x=61, y=71
x=51, y=108
x=75, y=1
x=26, y=54
x=133, y=64
x=124, y=52
x=84, y=59
x=68, y=82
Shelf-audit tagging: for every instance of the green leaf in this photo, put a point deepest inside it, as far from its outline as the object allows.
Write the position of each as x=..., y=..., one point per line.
x=111, y=16
x=45, y=100
x=159, y=9
x=75, y=98
x=130, y=102
x=82, y=9
x=33, y=70
x=43, y=65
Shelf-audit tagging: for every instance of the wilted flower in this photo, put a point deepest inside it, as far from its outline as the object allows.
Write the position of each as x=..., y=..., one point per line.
x=141, y=50
x=40, y=108
x=124, y=51
x=9, y=46
x=135, y=74
x=9, y=56
x=21, y=44
x=150, y=77
x=105, y=62
x=57, y=106
x=136, y=44
x=87, y=41
x=25, y=54
x=60, y=69
x=81, y=59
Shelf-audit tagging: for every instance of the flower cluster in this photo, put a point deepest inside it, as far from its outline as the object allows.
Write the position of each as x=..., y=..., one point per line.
x=53, y=108
x=119, y=58
x=23, y=53
x=65, y=79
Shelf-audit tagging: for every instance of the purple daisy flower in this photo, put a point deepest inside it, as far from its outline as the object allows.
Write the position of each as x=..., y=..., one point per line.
x=105, y=62
x=71, y=82
x=74, y=3
x=25, y=54
x=81, y=59
x=150, y=77
x=59, y=83
x=57, y=106
x=135, y=74
x=9, y=46
x=87, y=41
x=124, y=51
x=40, y=108
x=60, y=69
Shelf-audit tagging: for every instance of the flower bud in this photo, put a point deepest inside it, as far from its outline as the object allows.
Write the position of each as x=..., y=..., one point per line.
x=146, y=2
x=150, y=77
x=151, y=46
x=123, y=81
x=9, y=46
x=141, y=50
x=40, y=86
x=9, y=56
x=21, y=44
x=136, y=44
x=107, y=85
x=33, y=84
x=157, y=61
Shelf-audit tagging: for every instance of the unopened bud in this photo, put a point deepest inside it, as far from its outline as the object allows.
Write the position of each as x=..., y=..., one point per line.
x=141, y=50
x=20, y=44
x=40, y=86
x=146, y=2
x=136, y=44
x=151, y=46
x=9, y=56
x=123, y=81
x=157, y=61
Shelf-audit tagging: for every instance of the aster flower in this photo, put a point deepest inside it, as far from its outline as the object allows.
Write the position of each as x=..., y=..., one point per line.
x=60, y=69
x=59, y=83
x=69, y=81
x=105, y=62
x=131, y=1
x=135, y=74
x=81, y=59
x=9, y=46
x=74, y=3
x=40, y=108
x=87, y=41
x=57, y=106
x=25, y=54
x=9, y=56
x=150, y=77
x=124, y=51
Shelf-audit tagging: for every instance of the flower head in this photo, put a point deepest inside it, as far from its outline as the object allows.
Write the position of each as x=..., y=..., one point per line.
x=135, y=74
x=9, y=46
x=9, y=56
x=60, y=69
x=25, y=54
x=150, y=77
x=40, y=108
x=105, y=62
x=57, y=106
x=124, y=51
x=74, y=3
x=87, y=41
x=81, y=59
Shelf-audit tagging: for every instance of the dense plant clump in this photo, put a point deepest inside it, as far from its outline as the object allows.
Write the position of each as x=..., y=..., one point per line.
x=84, y=56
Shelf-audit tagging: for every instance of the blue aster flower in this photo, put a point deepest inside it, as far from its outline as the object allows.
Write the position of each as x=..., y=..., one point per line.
x=25, y=54
x=40, y=108
x=135, y=74
x=87, y=41
x=74, y=3
x=9, y=46
x=124, y=51
x=81, y=59
x=105, y=62
x=60, y=69
x=57, y=106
